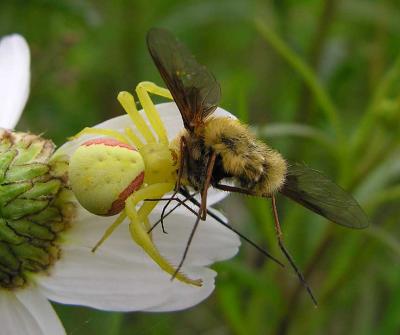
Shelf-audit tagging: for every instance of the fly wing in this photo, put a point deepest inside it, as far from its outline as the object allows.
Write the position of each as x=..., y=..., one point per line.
x=316, y=192
x=194, y=89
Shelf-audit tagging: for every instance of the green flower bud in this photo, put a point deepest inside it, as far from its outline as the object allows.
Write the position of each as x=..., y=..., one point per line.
x=35, y=206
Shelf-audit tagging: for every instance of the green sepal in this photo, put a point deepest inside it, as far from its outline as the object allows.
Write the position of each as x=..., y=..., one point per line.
x=8, y=271
x=4, y=277
x=50, y=187
x=33, y=208
x=8, y=259
x=47, y=216
x=30, y=153
x=32, y=266
x=8, y=235
x=30, y=252
x=19, y=208
x=59, y=165
x=30, y=229
x=26, y=172
x=57, y=227
x=11, y=191
x=5, y=143
x=5, y=161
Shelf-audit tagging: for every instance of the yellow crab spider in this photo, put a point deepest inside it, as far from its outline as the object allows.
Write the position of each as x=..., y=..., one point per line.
x=94, y=180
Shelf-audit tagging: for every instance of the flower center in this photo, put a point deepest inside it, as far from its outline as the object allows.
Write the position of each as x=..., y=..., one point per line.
x=35, y=206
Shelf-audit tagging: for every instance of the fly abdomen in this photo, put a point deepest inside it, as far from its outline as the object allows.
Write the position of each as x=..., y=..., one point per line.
x=253, y=164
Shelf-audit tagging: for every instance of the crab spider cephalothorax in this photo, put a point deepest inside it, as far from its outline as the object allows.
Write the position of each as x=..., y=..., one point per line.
x=161, y=165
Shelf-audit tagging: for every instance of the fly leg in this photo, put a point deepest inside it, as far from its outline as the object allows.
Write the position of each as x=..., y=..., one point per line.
x=201, y=214
x=278, y=231
x=190, y=198
x=286, y=253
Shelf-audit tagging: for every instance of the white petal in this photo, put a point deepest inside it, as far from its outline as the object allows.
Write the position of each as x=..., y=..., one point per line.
x=119, y=276
x=212, y=242
x=106, y=281
x=41, y=310
x=14, y=79
x=28, y=312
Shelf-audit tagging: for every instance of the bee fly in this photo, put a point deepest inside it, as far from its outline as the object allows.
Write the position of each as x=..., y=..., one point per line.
x=213, y=149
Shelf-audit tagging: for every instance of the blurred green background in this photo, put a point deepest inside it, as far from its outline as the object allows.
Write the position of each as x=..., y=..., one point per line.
x=320, y=81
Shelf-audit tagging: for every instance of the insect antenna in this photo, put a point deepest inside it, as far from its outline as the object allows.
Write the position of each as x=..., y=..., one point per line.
x=201, y=214
x=189, y=242
x=286, y=253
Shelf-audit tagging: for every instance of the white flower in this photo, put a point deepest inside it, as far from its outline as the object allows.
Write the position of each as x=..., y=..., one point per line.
x=14, y=79
x=119, y=276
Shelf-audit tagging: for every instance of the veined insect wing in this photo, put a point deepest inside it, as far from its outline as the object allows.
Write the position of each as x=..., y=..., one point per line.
x=313, y=190
x=194, y=89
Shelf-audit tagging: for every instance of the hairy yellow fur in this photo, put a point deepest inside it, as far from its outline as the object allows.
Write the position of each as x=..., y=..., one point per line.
x=256, y=165
x=253, y=164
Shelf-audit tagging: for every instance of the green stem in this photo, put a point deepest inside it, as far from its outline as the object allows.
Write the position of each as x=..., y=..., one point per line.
x=296, y=130
x=369, y=121
x=382, y=235
x=388, y=194
x=116, y=321
x=328, y=12
x=306, y=73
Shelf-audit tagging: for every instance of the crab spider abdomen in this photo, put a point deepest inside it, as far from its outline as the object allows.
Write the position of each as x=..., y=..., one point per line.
x=103, y=172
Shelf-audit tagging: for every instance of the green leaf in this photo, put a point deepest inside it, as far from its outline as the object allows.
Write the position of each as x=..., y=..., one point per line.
x=296, y=130
x=305, y=72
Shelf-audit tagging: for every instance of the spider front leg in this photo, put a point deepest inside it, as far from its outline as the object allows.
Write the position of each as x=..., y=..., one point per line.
x=183, y=152
x=128, y=138
x=98, y=131
x=139, y=229
x=142, y=90
x=128, y=102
